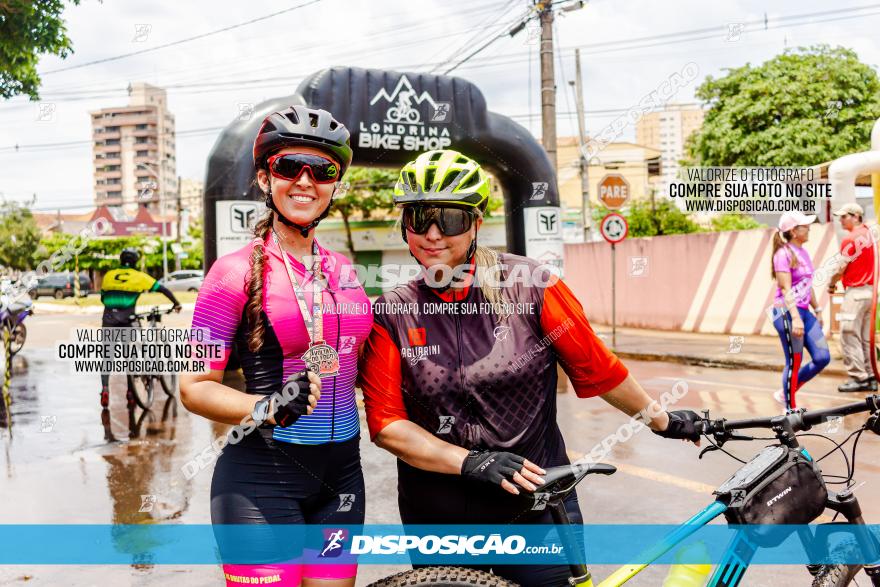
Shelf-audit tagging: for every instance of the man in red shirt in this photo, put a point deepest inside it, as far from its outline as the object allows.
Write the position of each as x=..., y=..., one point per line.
x=855, y=315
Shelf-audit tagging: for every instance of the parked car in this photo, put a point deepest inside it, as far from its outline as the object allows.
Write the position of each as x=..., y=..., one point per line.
x=186, y=280
x=61, y=285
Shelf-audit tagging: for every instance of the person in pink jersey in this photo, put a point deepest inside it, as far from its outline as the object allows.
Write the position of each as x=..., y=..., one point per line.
x=295, y=316
x=797, y=326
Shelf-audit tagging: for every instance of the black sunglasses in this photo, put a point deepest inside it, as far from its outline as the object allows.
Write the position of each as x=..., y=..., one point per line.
x=450, y=221
x=290, y=166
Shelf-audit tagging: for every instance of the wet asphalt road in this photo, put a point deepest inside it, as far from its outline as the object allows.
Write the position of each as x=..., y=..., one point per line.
x=67, y=462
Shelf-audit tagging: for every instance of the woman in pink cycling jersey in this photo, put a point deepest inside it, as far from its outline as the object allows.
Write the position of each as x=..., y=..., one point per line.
x=797, y=326
x=280, y=303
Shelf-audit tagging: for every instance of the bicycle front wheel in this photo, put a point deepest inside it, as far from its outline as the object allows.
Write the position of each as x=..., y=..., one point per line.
x=443, y=577
x=141, y=387
x=836, y=575
x=839, y=575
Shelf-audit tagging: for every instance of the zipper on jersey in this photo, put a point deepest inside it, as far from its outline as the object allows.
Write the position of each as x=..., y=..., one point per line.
x=460, y=360
x=338, y=328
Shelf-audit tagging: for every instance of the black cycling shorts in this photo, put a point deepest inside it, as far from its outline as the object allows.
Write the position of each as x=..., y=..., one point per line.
x=266, y=482
x=118, y=318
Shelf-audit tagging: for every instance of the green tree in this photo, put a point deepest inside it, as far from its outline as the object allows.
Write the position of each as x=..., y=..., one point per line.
x=803, y=107
x=734, y=222
x=29, y=29
x=651, y=218
x=196, y=228
x=19, y=236
x=101, y=254
x=370, y=189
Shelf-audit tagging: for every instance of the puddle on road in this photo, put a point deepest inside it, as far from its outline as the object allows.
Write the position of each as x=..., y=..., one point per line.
x=67, y=460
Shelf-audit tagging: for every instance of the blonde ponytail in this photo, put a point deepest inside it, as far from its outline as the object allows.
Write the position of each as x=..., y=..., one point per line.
x=488, y=276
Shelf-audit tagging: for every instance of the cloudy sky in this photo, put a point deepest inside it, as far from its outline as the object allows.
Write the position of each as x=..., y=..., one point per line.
x=628, y=48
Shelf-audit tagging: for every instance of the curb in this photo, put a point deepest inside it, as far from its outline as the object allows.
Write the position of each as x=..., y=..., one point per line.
x=699, y=361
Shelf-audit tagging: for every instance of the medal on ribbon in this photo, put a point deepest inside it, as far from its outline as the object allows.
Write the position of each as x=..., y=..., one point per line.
x=321, y=358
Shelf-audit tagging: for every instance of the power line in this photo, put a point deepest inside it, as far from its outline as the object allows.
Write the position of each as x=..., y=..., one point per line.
x=182, y=133
x=205, y=86
x=564, y=80
x=529, y=115
x=224, y=68
x=210, y=129
x=482, y=26
x=762, y=23
x=503, y=32
x=180, y=41
x=600, y=48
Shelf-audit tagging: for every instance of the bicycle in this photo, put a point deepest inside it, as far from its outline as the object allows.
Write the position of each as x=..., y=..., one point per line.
x=12, y=316
x=142, y=386
x=561, y=481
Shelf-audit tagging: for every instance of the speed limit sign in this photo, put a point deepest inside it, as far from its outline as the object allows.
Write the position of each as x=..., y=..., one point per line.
x=614, y=228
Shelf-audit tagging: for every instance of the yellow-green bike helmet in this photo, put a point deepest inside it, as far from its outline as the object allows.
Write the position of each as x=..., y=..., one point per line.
x=443, y=177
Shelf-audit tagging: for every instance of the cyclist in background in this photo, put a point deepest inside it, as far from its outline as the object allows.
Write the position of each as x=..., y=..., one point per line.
x=284, y=304
x=467, y=401
x=120, y=291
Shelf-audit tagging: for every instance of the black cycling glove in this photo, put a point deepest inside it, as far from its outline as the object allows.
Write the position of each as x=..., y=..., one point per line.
x=491, y=466
x=682, y=425
x=294, y=399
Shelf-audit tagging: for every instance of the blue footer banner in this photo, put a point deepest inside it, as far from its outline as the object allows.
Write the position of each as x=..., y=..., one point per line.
x=194, y=544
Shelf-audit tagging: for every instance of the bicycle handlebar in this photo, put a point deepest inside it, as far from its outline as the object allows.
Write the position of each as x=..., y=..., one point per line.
x=794, y=422
x=154, y=310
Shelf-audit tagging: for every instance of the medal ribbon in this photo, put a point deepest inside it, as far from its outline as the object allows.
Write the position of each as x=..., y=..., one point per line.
x=314, y=319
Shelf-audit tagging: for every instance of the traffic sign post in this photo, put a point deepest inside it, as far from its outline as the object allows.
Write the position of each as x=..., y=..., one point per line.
x=613, y=191
x=614, y=229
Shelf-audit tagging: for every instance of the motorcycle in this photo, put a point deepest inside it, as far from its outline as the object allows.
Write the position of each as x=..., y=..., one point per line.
x=12, y=316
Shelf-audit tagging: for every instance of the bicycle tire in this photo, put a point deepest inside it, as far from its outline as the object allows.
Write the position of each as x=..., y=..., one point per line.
x=838, y=575
x=19, y=336
x=443, y=577
x=168, y=381
x=141, y=387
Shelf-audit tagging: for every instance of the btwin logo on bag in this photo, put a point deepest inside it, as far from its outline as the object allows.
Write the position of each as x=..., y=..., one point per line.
x=780, y=496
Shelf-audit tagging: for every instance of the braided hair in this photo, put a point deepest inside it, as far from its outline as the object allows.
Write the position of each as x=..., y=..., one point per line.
x=254, y=307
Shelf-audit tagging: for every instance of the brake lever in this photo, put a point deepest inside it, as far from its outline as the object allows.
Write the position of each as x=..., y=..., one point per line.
x=873, y=424
x=721, y=438
x=709, y=448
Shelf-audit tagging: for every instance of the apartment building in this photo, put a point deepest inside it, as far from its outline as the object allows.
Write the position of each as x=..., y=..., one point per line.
x=667, y=131
x=639, y=164
x=134, y=153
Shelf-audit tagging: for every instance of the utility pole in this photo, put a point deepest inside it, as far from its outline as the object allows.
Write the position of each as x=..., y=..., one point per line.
x=548, y=82
x=179, y=210
x=179, y=218
x=164, y=234
x=586, y=205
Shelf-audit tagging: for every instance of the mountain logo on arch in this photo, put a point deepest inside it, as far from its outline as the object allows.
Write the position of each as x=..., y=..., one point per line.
x=401, y=98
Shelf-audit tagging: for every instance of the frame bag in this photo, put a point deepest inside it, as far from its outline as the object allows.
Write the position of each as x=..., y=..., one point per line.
x=780, y=485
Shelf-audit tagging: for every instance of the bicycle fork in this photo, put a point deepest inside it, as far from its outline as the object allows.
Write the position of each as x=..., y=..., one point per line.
x=847, y=504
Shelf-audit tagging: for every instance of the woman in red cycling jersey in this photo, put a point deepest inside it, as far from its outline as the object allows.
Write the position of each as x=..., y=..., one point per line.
x=296, y=327
x=467, y=399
